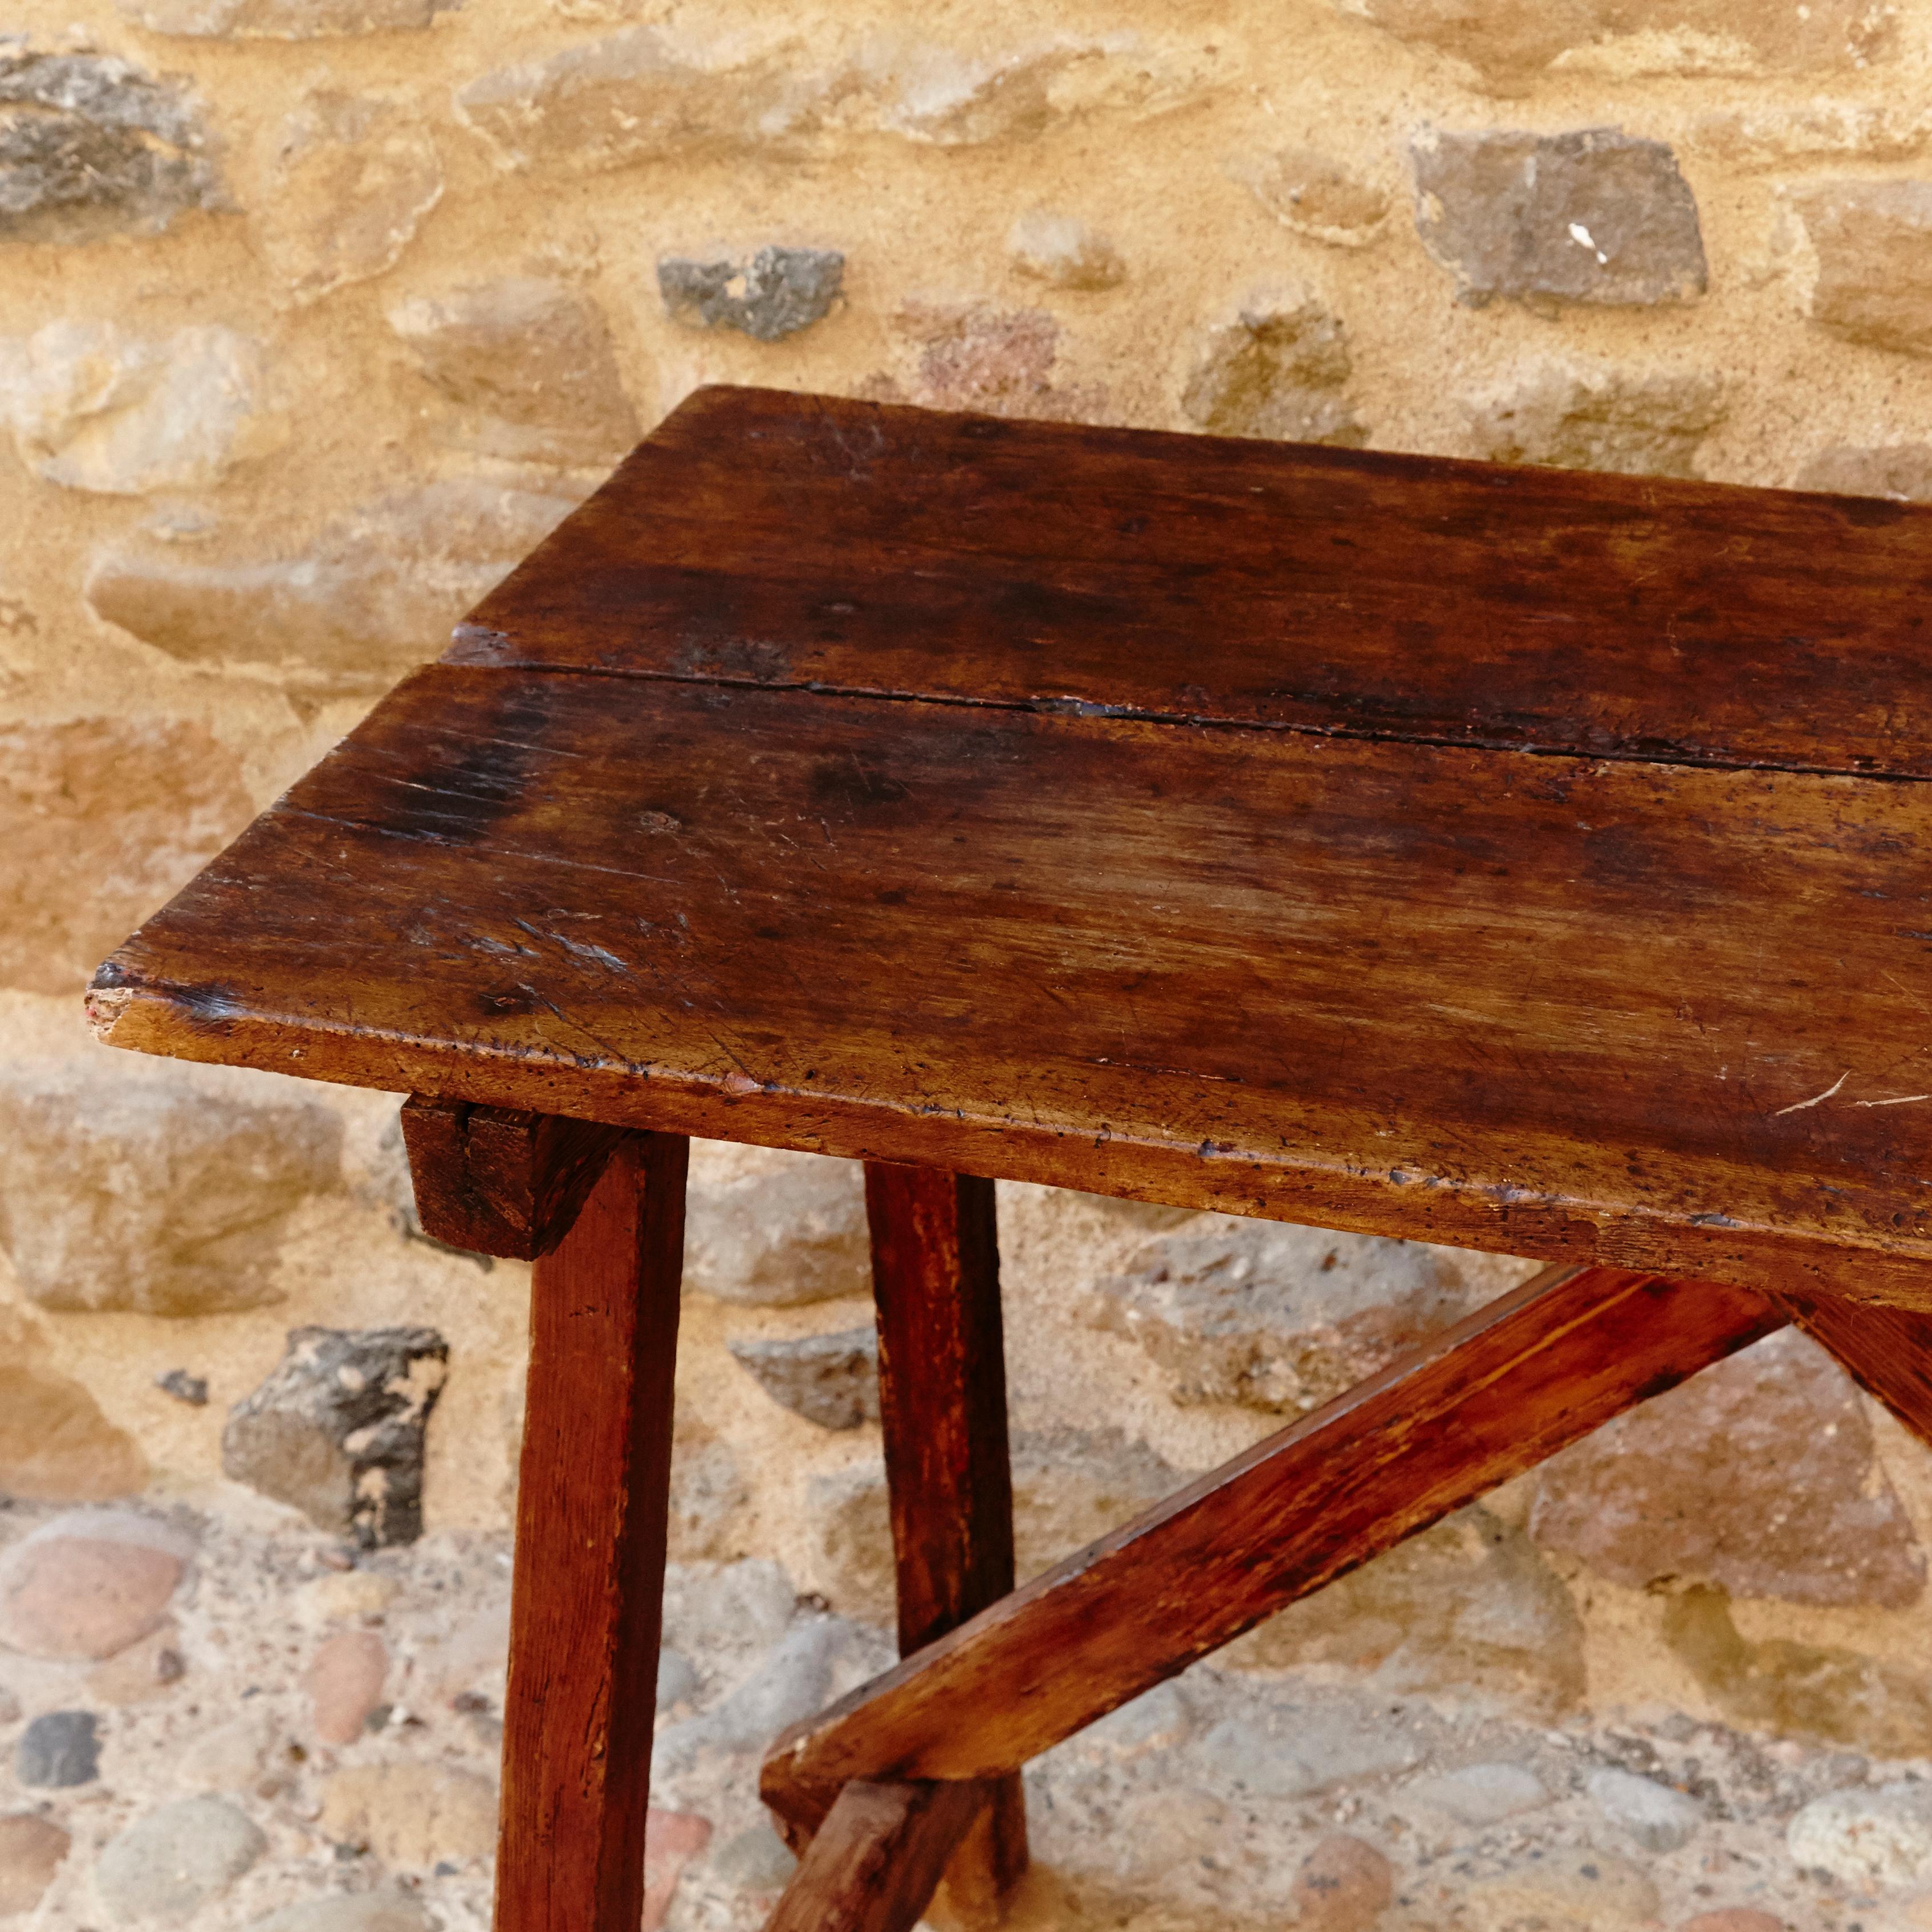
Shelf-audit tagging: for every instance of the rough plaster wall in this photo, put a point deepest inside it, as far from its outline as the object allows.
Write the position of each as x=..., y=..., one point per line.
x=233, y=504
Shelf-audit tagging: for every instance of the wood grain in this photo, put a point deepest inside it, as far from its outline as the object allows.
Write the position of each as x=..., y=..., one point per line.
x=1635, y=1014
x=500, y=1180
x=877, y=1859
x=809, y=540
x=1888, y=1351
x=943, y=1407
x=1491, y=1397
x=586, y=1602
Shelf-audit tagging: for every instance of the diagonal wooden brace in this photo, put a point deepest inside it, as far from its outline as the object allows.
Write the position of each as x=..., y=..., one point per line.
x=1492, y=1397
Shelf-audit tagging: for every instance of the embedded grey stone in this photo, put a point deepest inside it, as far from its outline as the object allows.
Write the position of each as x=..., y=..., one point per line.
x=192, y=1390
x=1479, y=1794
x=1286, y=1753
x=1658, y=1818
x=756, y=1859
x=774, y=1229
x=677, y=1679
x=145, y=1194
x=1278, y=1317
x=776, y=293
x=832, y=1380
x=59, y=1748
x=349, y=1912
x=170, y=1864
x=1593, y=216
x=337, y=1431
x=1277, y=371
x=91, y=146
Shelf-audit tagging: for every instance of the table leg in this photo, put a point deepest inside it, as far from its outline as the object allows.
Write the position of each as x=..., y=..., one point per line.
x=943, y=1404
x=587, y=1603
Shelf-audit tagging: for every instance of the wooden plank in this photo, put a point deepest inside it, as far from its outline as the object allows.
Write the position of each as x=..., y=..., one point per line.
x=1888, y=1351
x=500, y=1180
x=943, y=1406
x=1633, y=1015
x=809, y=540
x=586, y=1602
x=876, y=1861
x=1490, y=1397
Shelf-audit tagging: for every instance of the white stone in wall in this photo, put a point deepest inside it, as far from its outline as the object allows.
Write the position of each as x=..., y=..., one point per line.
x=773, y=1228
x=1902, y=471
x=1316, y=194
x=527, y=365
x=280, y=20
x=1047, y=245
x=1873, y=240
x=1508, y=45
x=353, y=178
x=1866, y=1836
x=93, y=407
x=1279, y=370
x=1646, y=423
x=127, y=1186
x=134, y=806
x=374, y=595
x=639, y=96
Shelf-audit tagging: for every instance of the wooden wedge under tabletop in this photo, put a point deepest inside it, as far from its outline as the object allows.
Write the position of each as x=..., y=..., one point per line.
x=1494, y=1395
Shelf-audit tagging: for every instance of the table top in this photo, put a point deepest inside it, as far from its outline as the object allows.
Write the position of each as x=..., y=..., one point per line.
x=1526, y=860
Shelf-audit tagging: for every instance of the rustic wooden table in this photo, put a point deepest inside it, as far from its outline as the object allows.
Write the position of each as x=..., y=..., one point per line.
x=1527, y=861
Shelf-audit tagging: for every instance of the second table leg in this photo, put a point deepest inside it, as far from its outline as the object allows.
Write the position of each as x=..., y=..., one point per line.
x=943, y=1404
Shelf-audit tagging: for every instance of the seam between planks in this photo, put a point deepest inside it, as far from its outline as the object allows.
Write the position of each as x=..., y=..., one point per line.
x=1075, y=707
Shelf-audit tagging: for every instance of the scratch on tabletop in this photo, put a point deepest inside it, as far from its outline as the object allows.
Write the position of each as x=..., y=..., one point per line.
x=1798, y=1106
x=1898, y=1100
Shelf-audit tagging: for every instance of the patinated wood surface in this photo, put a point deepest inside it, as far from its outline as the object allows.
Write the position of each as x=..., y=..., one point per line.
x=942, y=1408
x=500, y=1180
x=1641, y=1014
x=1492, y=1396
x=802, y=540
x=875, y=1864
x=586, y=1602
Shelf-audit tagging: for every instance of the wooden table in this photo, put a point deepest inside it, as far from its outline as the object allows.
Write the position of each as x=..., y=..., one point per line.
x=1533, y=862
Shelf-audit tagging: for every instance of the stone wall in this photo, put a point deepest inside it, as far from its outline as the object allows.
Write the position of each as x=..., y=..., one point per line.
x=314, y=315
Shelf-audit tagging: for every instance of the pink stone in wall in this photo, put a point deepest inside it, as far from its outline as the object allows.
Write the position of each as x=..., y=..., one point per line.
x=345, y=1684
x=672, y=1839
x=1343, y=1886
x=1736, y=1919
x=89, y=1583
